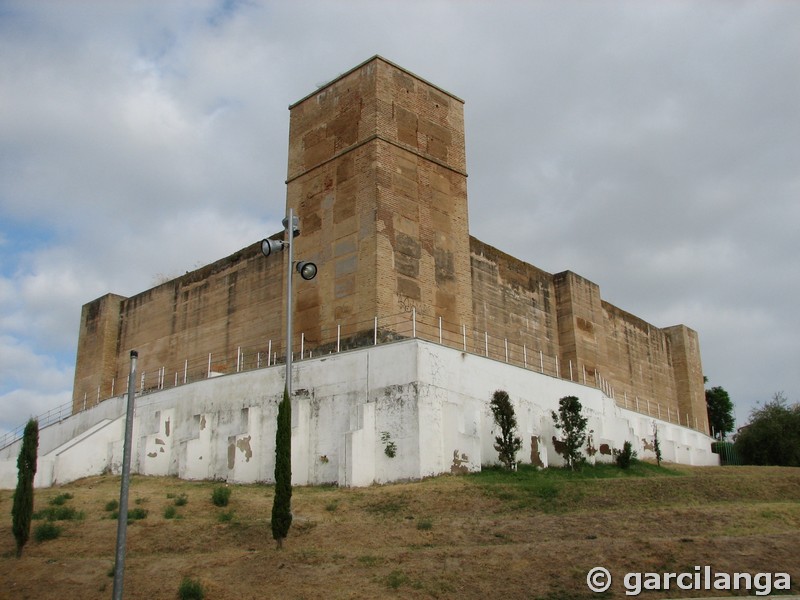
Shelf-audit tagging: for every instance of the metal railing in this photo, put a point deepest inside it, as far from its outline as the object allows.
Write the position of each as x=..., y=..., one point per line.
x=359, y=334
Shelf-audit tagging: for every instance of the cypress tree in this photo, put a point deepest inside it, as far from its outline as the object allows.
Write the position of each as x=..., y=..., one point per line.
x=22, y=509
x=507, y=444
x=570, y=420
x=282, y=505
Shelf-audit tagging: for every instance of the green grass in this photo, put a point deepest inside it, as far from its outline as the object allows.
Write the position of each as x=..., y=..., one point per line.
x=225, y=517
x=555, y=489
x=58, y=513
x=386, y=507
x=396, y=579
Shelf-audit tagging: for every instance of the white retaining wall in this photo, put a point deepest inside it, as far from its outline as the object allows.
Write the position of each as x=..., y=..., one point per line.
x=427, y=403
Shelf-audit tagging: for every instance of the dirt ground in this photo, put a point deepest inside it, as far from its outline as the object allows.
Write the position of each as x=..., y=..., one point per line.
x=448, y=537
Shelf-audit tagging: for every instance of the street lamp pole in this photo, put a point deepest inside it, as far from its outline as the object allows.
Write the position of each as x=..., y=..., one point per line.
x=289, y=270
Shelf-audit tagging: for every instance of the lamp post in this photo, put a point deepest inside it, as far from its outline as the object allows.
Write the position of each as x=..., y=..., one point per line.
x=307, y=270
x=281, y=507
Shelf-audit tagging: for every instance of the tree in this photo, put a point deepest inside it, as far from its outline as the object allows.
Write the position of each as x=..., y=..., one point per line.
x=22, y=509
x=573, y=425
x=720, y=412
x=506, y=444
x=772, y=437
x=282, y=504
x=656, y=444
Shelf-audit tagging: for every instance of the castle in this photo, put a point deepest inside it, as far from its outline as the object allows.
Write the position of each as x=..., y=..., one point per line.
x=377, y=175
x=398, y=344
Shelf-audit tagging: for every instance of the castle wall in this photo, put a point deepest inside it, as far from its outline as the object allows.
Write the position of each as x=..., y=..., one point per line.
x=377, y=176
x=564, y=315
x=232, y=303
x=96, y=364
x=512, y=299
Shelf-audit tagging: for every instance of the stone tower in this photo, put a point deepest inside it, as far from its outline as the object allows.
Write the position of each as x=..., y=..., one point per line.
x=377, y=175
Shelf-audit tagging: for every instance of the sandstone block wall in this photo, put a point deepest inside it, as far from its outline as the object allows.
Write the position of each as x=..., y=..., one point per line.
x=234, y=302
x=377, y=177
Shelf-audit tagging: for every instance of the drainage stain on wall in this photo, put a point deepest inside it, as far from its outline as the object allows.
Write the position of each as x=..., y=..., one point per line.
x=460, y=463
x=244, y=445
x=536, y=460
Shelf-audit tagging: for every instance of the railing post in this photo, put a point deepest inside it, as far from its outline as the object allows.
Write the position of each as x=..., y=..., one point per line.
x=505, y=341
x=570, y=369
x=414, y=321
x=338, y=338
x=269, y=353
x=208, y=374
x=524, y=356
x=486, y=343
x=464, y=335
x=440, y=330
x=113, y=381
x=557, y=373
x=185, y=370
x=302, y=344
x=375, y=332
x=541, y=361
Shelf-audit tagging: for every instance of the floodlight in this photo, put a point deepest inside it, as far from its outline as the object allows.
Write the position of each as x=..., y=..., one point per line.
x=269, y=247
x=295, y=225
x=307, y=270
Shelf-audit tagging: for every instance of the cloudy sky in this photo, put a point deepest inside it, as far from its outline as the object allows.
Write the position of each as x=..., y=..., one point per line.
x=653, y=148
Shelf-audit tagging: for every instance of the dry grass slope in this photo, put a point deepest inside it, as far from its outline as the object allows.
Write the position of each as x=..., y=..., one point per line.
x=489, y=535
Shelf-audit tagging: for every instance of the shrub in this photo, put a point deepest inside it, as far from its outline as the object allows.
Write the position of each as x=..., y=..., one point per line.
x=136, y=514
x=221, y=495
x=60, y=499
x=170, y=512
x=225, y=517
x=191, y=589
x=46, y=531
x=112, y=505
x=425, y=524
x=625, y=456
x=181, y=500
